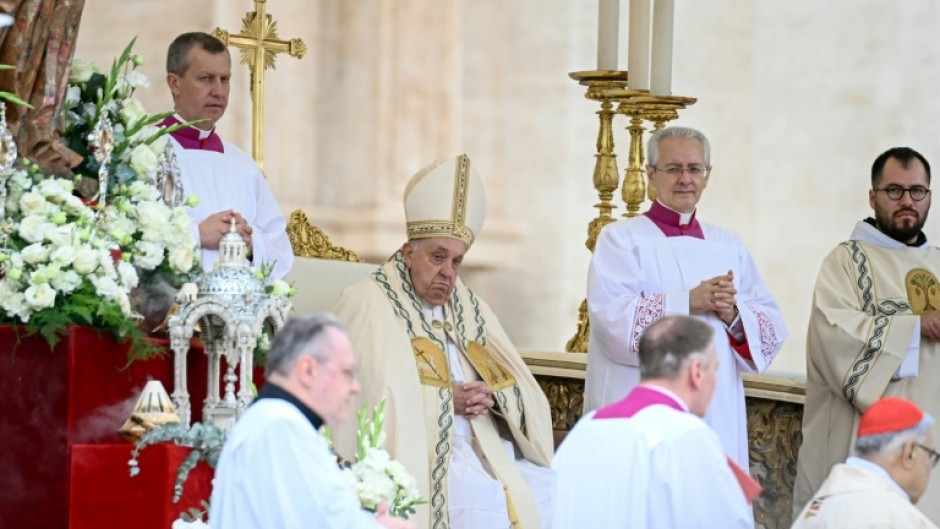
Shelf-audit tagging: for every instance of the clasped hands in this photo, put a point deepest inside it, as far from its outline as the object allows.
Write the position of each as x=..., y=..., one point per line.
x=217, y=225
x=472, y=399
x=715, y=295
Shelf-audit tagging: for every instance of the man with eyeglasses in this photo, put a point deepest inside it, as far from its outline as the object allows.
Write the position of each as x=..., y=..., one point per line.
x=877, y=487
x=874, y=328
x=276, y=469
x=666, y=262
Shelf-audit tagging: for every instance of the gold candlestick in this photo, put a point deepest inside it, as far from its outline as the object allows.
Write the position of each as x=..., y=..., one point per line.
x=605, y=166
x=605, y=173
x=609, y=87
x=634, y=184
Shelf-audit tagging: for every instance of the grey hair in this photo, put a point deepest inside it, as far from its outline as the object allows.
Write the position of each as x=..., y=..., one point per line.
x=677, y=133
x=302, y=336
x=670, y=343
x=177, y=57
x=888, y=443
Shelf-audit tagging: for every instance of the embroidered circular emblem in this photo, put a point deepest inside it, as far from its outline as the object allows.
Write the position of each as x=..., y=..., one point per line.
x=923, y=290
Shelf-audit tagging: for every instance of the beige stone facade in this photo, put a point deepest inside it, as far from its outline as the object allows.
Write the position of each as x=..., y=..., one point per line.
x=798, y=98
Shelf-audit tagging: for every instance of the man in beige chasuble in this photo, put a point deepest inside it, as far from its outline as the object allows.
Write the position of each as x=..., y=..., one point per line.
x=875, y=326
x=464, y=413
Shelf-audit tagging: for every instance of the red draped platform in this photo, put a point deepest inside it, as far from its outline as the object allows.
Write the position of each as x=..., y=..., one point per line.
x=104, y=495
x=60, y=454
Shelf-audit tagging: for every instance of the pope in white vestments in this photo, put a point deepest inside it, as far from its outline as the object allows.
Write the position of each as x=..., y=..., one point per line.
x=463, y=414
x=648, y=461
x=227, y=181
x=874, y=327
x=667, y=262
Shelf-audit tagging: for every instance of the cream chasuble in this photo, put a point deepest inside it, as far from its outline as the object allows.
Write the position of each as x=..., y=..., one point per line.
x=403, y=356
x=853, y=497
x=864, y=343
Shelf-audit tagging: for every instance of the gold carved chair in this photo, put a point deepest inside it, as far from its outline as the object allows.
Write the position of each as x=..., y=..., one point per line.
x=321, y=269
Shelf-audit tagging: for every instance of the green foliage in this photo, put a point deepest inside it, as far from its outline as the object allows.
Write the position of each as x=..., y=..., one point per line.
x=205, y=440
x=194, y=514
x=370, y=434
x=84, y=307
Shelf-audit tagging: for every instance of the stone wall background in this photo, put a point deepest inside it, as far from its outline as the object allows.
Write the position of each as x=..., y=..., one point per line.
x=797, y=97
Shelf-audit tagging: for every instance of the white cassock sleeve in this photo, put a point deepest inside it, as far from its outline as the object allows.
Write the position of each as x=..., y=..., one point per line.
x=764, y=329
x=269, y=240
x=618, y=303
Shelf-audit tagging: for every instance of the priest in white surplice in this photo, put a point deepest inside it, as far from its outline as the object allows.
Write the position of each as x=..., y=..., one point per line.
x=874, y=328
x=875, y=488
x=648, y=460
x=667, y=262
x=464, y=414
x=276, y=470
x=227, y=181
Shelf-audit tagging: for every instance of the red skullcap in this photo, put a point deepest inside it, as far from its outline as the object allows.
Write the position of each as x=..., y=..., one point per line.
x=892, y=414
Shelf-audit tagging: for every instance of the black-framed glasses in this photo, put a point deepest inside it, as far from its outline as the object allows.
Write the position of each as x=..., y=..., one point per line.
x=675, y=171
x=934, y=455
x=895, y=192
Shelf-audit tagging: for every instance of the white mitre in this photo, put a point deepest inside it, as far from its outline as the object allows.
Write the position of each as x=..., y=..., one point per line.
x=445, y=199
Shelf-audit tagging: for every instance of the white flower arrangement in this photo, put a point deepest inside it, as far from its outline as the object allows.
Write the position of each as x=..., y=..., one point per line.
x=140, y=146
x=67, y=260
x=376, y=477
x=57, y=268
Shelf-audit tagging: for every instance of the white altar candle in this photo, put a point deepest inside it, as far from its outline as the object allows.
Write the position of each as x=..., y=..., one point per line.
x=661, y=71
x=638, y=53
x=608, y=26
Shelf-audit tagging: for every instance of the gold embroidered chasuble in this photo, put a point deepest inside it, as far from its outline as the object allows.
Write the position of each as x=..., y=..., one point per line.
x=402, y=356
x=864, y=315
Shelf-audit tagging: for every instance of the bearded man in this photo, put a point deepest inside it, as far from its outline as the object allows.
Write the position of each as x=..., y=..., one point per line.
x=874, y=328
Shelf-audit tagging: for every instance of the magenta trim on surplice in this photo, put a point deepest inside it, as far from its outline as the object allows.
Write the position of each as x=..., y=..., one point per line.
x=668, y=221
x=640, y=398
x=188, y=137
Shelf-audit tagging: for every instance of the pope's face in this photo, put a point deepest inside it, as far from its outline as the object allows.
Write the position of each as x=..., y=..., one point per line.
x=433, y=266
x=904, y=218
x=681, y=192
x=202, y=91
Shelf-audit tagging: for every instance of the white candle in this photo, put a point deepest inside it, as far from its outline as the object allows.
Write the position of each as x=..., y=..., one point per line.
x=638, y=53
x=608, y=25
x=661, y=71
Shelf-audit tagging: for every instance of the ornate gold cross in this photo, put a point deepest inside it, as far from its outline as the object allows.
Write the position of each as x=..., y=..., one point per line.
x=259, y=44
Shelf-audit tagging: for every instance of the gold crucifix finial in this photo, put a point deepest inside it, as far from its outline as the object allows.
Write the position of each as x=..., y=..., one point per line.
x=259, y=44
